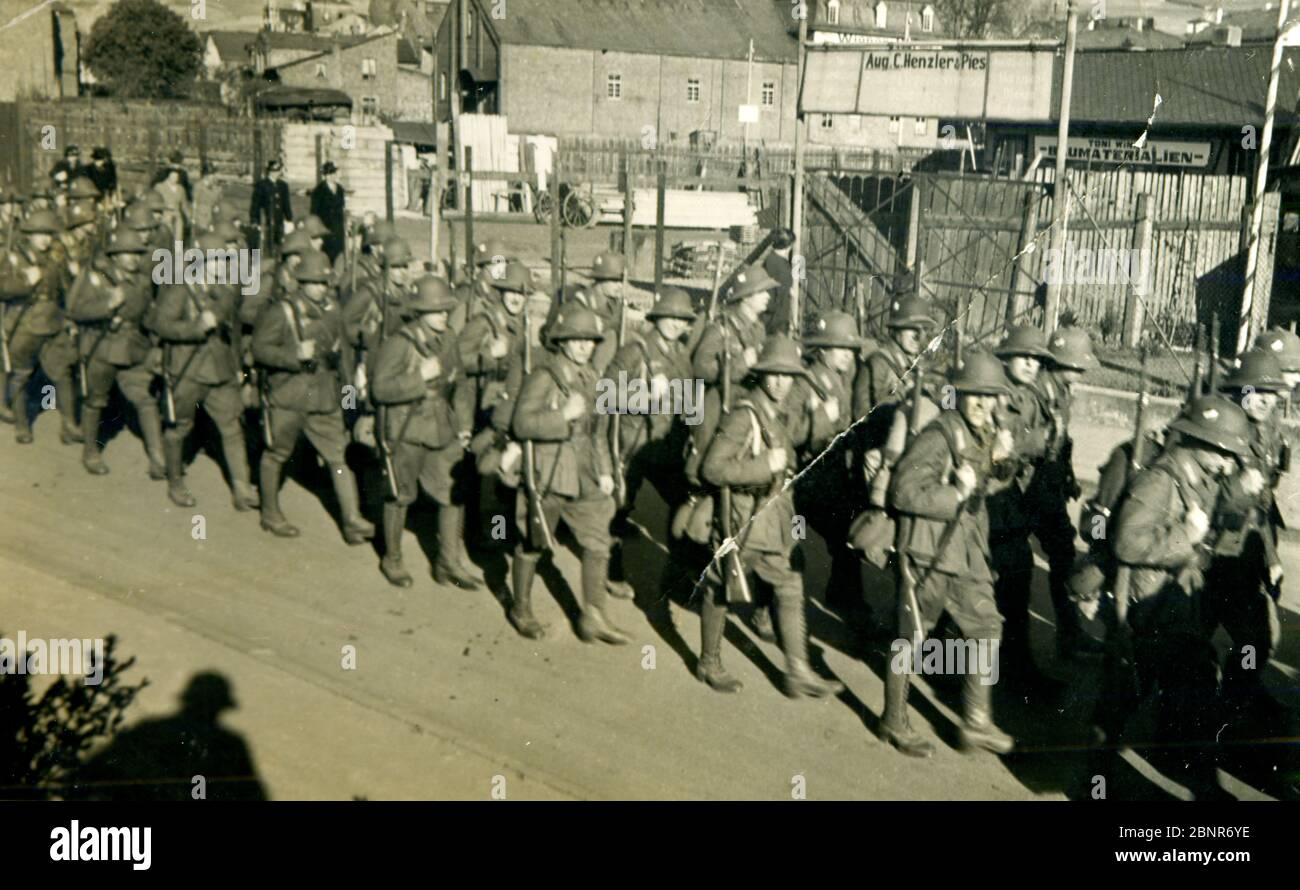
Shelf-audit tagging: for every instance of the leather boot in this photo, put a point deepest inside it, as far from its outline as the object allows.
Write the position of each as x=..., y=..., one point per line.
x=446, y=567
x=800, y=680
x=713, y=627
x=243, y=496
x=523, y=568
x=462, y=552
x=91, y=458
x=272, y=519
x=151, y=430
x=761, y=620
x=895, y=727
x=391, y=564
x=593, y=625
x=356, y=530
x=22, y=421
x=173, y=455
x=978, y=730
x=65, y=393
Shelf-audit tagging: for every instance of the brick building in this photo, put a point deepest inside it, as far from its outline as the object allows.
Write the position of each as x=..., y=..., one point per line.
x=38, y=43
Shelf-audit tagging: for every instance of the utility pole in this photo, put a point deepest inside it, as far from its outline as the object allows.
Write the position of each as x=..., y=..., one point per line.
x=1061, y=196
x=1246, y=323
x=796, y=203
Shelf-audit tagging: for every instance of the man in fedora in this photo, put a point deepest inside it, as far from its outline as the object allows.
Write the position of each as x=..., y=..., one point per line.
x=329, y=204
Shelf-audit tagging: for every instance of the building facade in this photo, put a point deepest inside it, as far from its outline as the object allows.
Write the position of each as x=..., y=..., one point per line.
x=370, y=72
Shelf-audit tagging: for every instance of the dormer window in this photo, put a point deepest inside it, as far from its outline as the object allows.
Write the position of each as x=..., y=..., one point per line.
x=881, y=16
x=833, y=12
x=927, y=19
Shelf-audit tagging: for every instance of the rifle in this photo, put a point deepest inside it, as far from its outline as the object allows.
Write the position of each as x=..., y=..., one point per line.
x=616, y=445
x=169, y=386
x=264, y=379
x=735, y=584
x=1214, y=353
x=907, y=584
x=1124, y=576
x=1197, y=384
x=717, y=286
x=539, y=532
x=381, y=411
x=4, y=307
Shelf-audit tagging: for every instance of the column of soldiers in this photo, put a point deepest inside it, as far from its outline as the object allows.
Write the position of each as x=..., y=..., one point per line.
x=460, y=392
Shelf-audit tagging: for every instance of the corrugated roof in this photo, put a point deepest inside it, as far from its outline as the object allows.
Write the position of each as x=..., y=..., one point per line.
x=702, y=28
x=1198, y=87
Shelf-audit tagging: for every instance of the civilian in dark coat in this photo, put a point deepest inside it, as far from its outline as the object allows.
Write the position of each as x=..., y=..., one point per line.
x=103, y=173
x=328, y=202
x=68, y=169
x=777, y=265
x=271, y=206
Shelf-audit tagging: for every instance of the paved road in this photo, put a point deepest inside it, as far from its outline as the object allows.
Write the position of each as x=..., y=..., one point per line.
x=445, y=697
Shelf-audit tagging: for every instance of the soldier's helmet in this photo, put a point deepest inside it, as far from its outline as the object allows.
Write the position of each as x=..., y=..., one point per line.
x=42, y=222
x=1024, y=340
x=83, y=188
x=138, y=217
x=910, y=312
x=749, y=281
x=516, y=278
x=576, y=322
x=432, y=294
x=296, y=242
x=380, y=232
x=9, y=196
x=153, y=199
x=315, y=228
x=1071, y=348
x=1257, y=369
x=981, y=375
x=1284, y=345
x=493, y=250
x=397, y=252
x=780, y=355
x=1215, y=421
x=672, y=302
x=79, y=215
x=228, y=230
x=126, y=240
x=782, y=238
x=835, y=330
x=607, y=266
x=211, y=241
x=314, y=268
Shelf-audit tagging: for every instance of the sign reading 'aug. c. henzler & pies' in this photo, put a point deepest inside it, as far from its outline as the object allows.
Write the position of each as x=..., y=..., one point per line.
x=904, y=60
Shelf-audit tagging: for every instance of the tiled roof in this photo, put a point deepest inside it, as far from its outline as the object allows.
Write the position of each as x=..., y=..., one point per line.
x=1127, y=38
x=232, y=45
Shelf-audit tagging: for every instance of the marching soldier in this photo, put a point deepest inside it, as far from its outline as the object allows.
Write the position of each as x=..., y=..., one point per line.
x=297, y=340
x=1245, y=578
x=1285, y=347
x=367, y=261
x=881, y=383
x=939, y=486
x=491, y=343
x=607, y=292
x=32, y=284
x=491, y=260
x=277, y=276
x=202, y=365
x=1035, y=427
x=753, y=455
x=573, y=475
x=418, y=379
x=1164, y=535
x=374, y=312
x=110, y=310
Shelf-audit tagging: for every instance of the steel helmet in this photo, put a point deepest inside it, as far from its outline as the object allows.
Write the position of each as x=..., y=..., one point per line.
x=314, y=267
x=314, y=227
x=490, y=251
x=608, y=266
x=297, y=241
x=1071, y=348
x=576, y=322
x=126, y=240
x=1258, y=369
x=82, y=188
x=672, y=302
x=1215, y=421
x=517, y=278
x=910, y=312
x=432, y=294
x=1024, y=339
x=44, y=222
x=1284, y=345
x=836, y=330
x=780, y=355
x=748, y=281
x=981, y=375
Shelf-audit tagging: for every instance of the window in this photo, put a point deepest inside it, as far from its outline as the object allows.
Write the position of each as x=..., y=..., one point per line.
x=881, y=15
x=894, y=123
x=367, y=69
x=919, y=127
x=693, y=90
x=927, y=19
x=614, y=86
x=769, y=93
x=828, y=122
x=833, y=12
x=320, y=71
x=369, y=108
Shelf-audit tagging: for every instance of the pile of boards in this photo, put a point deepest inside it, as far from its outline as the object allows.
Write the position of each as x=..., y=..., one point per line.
x=683, y=209
x=698, y=259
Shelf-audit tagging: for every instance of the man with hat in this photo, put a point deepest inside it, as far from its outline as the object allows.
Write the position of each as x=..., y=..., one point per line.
x=753, y=455
x=607, y=291
x=778, y=266
x=939, y=487
x=653, y=432
x=1037, y=430
x=1166, y=536
x=270, y=207
x=277, y=273
x=32, y=282
x=329, y=206
x=296, y=341
x=109, y=306
x=1245, y=578
x=573, y=471
x=418, y=377
x=165, y=235
x=201, y=329
x=103, y=173
x=68, y=169
x=491, y=260
x=374, y=311
x=316, y=231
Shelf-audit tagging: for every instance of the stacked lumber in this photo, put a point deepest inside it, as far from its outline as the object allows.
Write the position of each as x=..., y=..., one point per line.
x=684, y=209
x=698, y=259
x=495, y=149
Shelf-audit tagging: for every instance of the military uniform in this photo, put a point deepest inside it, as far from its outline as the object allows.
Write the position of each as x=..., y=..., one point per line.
x=427, y=426
x=204, y=368
x=110, y=310
x=303, y=394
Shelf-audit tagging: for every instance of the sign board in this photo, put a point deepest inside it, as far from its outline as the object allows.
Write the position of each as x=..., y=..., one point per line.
x=930, y=81
x=749, y=114
x=1160, y=152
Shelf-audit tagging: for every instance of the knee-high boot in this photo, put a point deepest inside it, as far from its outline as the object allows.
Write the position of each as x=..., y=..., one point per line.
x=22, y=421
x=713, y=627
x=447, y=568
x=356, y=530
x=978, y=729
x=6, y=412
x=593, y=624
x=65, y=393
x=800, y=680
x=895, y=727
x=391, y=564
x=151, y=431
x=523, y=568
x=244, y=496
x=91, y=458
x=269, y=473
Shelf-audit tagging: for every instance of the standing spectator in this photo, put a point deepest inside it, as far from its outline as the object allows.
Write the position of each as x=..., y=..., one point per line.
x=176, y=212
x=68, y=169
x=207, y=195
x=176, y=163
x=271, y=208
x=328, y=202
x=103, y=173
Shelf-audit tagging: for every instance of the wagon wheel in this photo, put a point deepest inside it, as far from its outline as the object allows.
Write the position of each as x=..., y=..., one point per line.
x=579, y=209
x=543, y=206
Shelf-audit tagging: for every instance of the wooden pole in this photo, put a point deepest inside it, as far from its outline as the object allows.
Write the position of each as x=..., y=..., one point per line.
x=435, y=179
x=1018, y=299
x=557, y=283
x=661, y=191
x=1135, y=310
x=628, y=254
x=469, y=211
x=1060, y=224
x=796, y=199
x=388, y=181
x=1246, y=324
x=319, y=158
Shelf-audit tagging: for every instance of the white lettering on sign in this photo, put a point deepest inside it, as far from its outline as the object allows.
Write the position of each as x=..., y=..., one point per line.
x=1122, y=151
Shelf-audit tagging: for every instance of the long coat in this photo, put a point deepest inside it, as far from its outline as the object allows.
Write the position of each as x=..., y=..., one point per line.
x=328, y=203
x=270, y=207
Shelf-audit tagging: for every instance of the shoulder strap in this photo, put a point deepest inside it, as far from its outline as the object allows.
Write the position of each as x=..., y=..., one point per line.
x=756, y=431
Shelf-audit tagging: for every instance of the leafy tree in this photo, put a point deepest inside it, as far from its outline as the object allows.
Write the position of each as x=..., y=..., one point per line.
x=983, y=19
x=141, y=49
